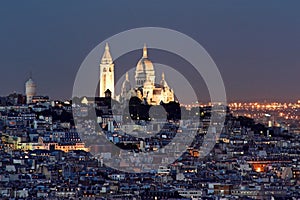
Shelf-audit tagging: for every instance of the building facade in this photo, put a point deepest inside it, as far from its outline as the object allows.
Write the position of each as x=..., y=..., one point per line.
x=146, y=88
x=106, y=73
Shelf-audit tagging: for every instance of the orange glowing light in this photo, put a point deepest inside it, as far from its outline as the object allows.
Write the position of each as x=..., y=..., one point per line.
x=258, y=169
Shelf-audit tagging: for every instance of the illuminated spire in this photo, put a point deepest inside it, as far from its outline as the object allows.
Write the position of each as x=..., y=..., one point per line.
x=106, y=58
x=106, y=73
x=163, y=82
x=163, y=76
x=145, y=52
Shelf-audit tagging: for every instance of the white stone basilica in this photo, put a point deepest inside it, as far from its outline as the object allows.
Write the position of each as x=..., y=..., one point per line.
x=145, y=86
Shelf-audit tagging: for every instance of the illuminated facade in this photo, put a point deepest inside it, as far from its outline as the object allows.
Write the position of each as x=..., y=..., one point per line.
x=106, y=73
x=146, y=88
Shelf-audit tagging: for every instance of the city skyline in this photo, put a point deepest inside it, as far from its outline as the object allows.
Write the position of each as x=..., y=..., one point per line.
x=150, y=100
x=255, y=46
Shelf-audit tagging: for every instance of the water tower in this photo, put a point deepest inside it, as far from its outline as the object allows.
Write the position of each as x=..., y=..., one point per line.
x=30, y=90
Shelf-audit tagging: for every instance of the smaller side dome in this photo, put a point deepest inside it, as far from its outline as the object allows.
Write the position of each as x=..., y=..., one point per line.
x=126, y=86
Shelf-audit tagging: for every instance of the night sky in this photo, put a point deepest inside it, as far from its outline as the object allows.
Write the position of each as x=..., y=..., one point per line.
x=255, y=44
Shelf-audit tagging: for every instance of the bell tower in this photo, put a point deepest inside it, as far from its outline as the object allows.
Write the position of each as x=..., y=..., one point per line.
x=107, y=73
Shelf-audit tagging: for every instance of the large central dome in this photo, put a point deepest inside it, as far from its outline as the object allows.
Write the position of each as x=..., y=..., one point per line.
x=144, y=69
x=144, y=63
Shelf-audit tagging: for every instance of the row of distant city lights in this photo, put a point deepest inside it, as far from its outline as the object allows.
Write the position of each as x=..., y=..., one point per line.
x=285, y=110
x=291, y=117
x=287, y=113
x=267, y=105
x=273, y=105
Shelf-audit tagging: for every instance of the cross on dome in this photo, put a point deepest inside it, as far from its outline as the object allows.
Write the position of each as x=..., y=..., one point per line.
x=145, y=53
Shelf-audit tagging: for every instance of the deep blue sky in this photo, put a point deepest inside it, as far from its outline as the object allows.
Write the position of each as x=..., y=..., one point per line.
x=255, y=44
